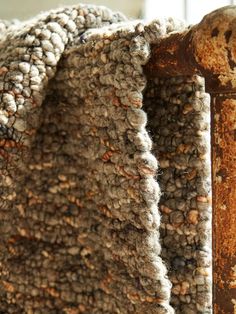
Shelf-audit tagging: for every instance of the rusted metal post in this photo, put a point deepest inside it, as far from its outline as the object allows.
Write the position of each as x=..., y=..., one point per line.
x=224, y=202
x=209, y=49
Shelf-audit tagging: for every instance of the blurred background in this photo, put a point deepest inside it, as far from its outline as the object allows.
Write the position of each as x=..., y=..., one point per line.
x=190, y=10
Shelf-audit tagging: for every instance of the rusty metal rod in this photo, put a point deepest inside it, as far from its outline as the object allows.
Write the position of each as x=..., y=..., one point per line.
x=209, y=49
x=224, y=202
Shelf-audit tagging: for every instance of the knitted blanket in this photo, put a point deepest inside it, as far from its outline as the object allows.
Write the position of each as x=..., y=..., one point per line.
x=104, y=199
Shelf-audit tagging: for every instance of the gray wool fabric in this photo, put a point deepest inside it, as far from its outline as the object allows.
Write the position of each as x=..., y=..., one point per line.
x=104, y=204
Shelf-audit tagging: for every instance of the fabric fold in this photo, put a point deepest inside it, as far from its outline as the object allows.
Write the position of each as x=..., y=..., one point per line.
x=80, y=227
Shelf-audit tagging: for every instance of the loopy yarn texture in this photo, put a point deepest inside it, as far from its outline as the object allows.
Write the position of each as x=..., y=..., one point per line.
x=81, y=231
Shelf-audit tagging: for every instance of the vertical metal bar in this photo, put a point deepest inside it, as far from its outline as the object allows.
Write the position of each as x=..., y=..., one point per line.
x=209, y=49
x=224, y=202
x=219, y=30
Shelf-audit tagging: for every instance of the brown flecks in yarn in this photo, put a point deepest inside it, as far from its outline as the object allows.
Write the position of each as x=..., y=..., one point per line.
x=105, y=211
x=107, y=155
x=3, y=70
x=127, y=174
x=8, y=286
x=177, y=111
x=73, y=310
x=51, y=291
x=193, y=216
x=80, y=206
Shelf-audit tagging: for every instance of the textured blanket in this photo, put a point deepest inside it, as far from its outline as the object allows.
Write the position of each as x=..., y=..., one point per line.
x=104, y=198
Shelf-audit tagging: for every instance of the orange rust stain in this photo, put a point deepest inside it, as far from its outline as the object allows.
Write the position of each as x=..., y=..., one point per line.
x=224, y=202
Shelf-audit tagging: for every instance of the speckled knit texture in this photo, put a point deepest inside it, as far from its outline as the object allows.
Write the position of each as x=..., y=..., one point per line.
x=179, y=120
x=80, y=227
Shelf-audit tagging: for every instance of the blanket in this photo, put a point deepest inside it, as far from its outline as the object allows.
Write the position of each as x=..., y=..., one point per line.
x=105, y=172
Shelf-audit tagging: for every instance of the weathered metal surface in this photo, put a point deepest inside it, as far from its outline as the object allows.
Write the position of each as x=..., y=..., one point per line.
x=224, y=203
x=214, y=48
x=209, y=49
x=170, y=56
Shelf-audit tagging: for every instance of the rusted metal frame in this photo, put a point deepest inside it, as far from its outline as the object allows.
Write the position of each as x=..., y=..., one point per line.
x=224, y=202
x=209, y=49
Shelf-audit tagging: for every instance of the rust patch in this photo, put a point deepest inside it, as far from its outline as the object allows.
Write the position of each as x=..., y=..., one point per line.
x=207, y=48
x=224, y=203
x=168, y=58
